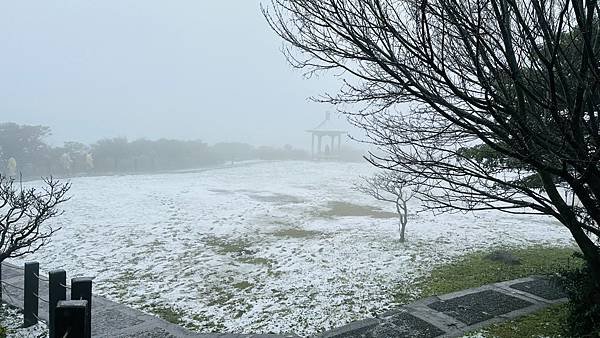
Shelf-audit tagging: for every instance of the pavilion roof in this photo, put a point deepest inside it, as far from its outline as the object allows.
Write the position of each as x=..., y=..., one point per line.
x=329, y=125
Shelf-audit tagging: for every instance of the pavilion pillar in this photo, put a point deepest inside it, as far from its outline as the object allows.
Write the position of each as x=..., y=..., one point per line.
x=331, y=149
x=319, y=144
x=339, y=143
x=312, y=146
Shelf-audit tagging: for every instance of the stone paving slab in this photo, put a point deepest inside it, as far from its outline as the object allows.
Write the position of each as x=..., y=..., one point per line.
x=479, y=306
x=439, y=319
x=541, y=287
x=410, y=325
x=358, y=329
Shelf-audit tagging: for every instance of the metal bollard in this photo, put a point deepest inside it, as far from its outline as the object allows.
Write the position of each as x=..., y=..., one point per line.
x=81, y=289
x=56, y=293
x=30, y=294
x=70, y=319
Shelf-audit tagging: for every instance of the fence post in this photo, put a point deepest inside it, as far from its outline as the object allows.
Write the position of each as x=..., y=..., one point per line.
x=70, y=320
x=57, y=281
x=30, y=293
x=81, y=289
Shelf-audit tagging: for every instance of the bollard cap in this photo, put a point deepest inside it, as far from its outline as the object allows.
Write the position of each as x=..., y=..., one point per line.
x=72, y=304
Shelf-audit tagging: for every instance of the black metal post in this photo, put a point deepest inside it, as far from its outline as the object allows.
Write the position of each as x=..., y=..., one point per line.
x=70, y=320
x=57, y=292
x=81, y=289
x=30, y=293
x=1, y=284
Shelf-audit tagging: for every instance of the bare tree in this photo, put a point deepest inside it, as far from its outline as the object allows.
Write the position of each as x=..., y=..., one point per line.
x=23, y=213
x=390, y=187
x=428, y=79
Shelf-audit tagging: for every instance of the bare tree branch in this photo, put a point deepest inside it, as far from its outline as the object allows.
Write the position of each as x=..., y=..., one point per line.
x=23, y=215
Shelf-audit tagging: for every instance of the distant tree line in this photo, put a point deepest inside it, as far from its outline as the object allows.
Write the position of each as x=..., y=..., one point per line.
x=23, y=151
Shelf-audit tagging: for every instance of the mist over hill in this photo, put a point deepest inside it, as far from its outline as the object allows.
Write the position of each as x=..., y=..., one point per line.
x=24, y=151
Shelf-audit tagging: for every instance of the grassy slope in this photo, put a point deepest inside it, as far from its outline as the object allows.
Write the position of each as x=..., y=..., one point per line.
x=477, y=269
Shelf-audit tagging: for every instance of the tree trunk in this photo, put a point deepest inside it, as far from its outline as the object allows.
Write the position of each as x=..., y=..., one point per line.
x=401, y=228
x=590, y=253
x=403, y=218
x=569, y=219
x=400, y=220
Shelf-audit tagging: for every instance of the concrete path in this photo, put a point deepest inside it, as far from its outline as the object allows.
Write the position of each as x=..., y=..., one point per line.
x=449, y=315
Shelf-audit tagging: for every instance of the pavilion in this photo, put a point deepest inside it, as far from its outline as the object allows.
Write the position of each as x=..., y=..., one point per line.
x=331, y=132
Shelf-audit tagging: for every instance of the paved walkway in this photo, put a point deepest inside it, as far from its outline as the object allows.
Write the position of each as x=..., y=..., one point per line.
x=449, y=315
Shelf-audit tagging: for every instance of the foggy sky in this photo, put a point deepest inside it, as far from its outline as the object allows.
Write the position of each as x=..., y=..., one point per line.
x=194, y=69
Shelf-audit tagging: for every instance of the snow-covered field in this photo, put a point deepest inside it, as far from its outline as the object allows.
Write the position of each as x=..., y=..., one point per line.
x=256, y=248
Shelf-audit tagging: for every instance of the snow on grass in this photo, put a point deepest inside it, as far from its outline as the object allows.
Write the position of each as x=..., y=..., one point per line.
x=12, y=321
x=267, y=248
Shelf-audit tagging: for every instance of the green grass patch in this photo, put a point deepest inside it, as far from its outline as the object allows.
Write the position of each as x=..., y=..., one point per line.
x=548, y=323
x=276, y=198
x=167, y=313
x=256, y=261
x=296, y=233
x=210, y=324
x=342, y=209
x=243, y=285
x=219, y=296
x=478, y=269
x=227, y=246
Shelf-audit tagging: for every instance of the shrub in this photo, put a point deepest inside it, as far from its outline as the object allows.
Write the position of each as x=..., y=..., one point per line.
x=584, y=305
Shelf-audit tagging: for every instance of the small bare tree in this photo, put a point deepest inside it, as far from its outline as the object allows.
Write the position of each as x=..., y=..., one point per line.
x=390, y=187
x=23, y=212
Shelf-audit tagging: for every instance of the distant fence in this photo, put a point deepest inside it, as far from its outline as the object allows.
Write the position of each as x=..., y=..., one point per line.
x=66, y=318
